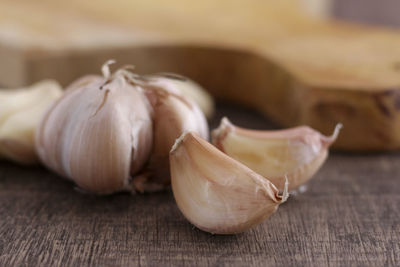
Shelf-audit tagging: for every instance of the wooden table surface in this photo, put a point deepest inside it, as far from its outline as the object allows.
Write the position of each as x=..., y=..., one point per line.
x=350, y=215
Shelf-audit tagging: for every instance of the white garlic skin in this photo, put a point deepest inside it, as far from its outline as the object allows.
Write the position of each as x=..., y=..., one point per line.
x=20, y=113
x=174, y=114
x=187, y=88
x=98, y=133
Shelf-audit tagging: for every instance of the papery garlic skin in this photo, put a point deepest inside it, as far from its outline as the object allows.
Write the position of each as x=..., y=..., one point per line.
x=84, y=81
x=296, y=153
x=187, y=88
x=99, y=133
x=20, y=113
x=217, y=193
x=173, y=115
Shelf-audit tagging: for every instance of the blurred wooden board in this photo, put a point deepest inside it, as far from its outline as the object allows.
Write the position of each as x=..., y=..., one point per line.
x=269, y=56
x=348, y=217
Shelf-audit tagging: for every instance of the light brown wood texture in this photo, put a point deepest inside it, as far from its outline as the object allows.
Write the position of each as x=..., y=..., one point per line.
x=272, y=57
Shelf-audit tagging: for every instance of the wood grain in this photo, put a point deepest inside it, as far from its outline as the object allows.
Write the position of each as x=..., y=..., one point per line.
x=349, y=216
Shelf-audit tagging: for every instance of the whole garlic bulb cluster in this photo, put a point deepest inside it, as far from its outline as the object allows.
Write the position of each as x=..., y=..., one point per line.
x=126, y=132
x=106, y=132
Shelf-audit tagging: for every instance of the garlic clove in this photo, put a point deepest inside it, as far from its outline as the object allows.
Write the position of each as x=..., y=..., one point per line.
x=173, y=115
x=187, y=88
x=98, y=134
x=20, y=113
x=217, y=193
x=296, y=153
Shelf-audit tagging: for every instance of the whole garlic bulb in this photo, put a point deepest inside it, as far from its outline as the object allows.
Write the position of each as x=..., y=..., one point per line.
x=104, y=129
x=98, y=134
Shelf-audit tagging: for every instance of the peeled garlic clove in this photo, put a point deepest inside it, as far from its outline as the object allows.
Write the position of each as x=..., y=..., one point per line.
x=20, y=113
x=296, y=153
x=187, y=88
x=217, y=193
x=98, y=134
x=173, y=115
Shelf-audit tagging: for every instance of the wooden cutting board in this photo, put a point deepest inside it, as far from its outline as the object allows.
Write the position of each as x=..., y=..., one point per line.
x=269, y=56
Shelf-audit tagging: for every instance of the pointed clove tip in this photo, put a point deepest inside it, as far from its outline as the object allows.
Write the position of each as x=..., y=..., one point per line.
x=225, y=121
x=221, y=131
x=178, y=141
x=285, y=194
x=224, y=126
x=328, y=140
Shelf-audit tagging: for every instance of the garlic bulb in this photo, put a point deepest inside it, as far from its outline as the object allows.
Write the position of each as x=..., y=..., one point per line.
x=187, y=88
x=114, y=132
x=99, y=133
x=296, y=153
x=20, y=112
x=217, y=193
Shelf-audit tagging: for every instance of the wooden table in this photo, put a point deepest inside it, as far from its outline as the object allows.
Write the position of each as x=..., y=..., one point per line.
x=350, y=215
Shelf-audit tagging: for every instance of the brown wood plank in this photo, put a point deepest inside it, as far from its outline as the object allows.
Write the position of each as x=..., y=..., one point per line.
x=349, y=216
